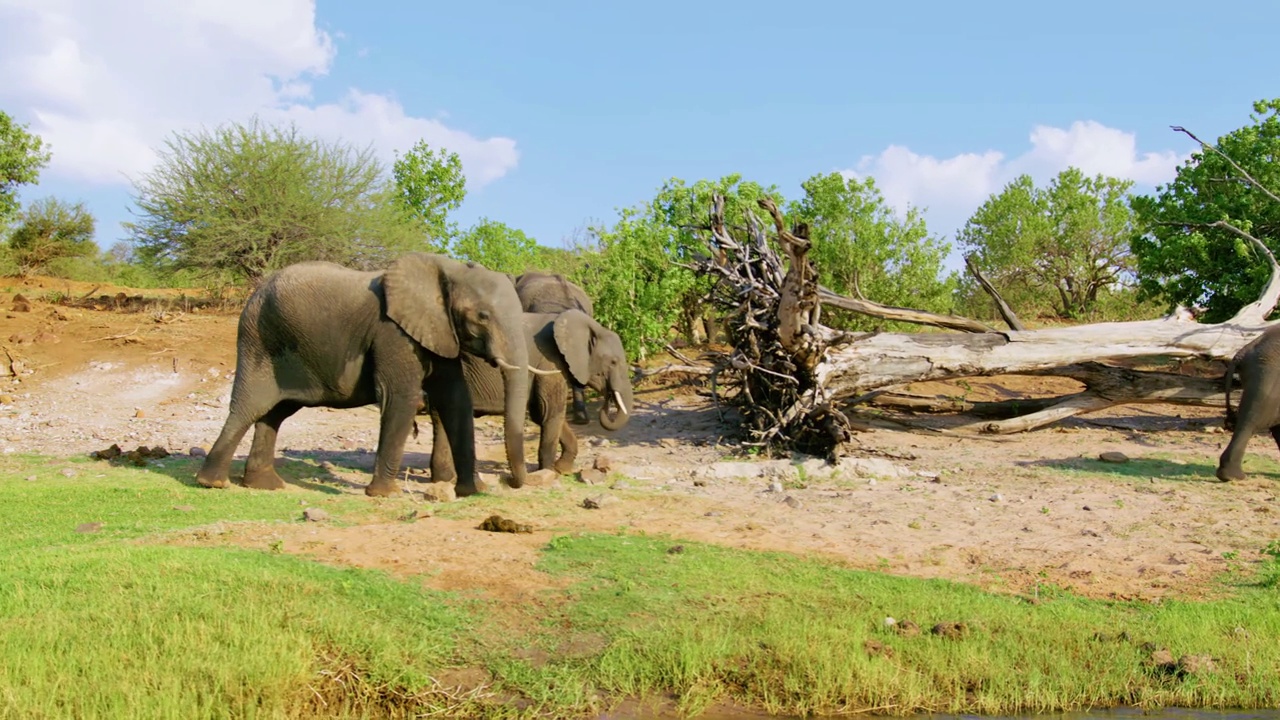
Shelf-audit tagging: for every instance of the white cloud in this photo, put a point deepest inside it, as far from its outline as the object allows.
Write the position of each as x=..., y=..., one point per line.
x=106, y=81
x=950, y=189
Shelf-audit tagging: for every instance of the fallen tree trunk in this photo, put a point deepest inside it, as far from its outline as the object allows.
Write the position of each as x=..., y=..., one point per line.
x=790, y=376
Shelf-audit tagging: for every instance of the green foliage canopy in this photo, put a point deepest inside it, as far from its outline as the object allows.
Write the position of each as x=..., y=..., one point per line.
x=861, y=247
x=248, y=199
x=22, y=157
x=1058, y=248
x=428, y=186
x=496, y=246
x=48, y=230
x=1179, y=258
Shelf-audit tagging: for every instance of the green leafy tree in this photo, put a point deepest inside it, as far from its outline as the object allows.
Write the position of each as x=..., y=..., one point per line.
x=1058, y=249
x=1183, y=261
x=429, y=185
x=50, y=230
x=496, y=246
x=860, y=246
x=244, y=200
x=22, y=157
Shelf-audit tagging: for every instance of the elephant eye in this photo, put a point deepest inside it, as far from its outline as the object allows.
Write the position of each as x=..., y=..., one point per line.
x=483, y=316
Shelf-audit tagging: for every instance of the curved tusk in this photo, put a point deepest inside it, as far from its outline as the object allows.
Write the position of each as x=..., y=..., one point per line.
x=508, y=366
x=617, y=396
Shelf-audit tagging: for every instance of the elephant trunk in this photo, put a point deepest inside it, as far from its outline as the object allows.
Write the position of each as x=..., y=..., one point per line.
x=516, y=397
x=616, y=408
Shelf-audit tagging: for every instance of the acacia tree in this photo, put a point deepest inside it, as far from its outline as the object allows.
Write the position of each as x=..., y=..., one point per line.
x=1058, y=248
x=1186, y=255
x=22, y=157
x=49, y=230
x=861, y=247
x=496, y=246
x=248, y=199
x=429, y=185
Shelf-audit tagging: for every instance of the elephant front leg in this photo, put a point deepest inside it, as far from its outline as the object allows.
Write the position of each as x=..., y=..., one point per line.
x=398, y=413
x=452, y=401
x=259, y=470
x=442, y=469
x=568, y=450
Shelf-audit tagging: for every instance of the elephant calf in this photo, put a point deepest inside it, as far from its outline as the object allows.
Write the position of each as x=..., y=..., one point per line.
x=580, y=349
x=1259, y=366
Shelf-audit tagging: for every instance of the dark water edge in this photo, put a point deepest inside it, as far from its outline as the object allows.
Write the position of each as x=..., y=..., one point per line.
x=635, y=711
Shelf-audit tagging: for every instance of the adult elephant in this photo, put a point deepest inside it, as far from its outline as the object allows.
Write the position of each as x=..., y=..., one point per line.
x=1259, y=365
x=566, y=345
x=316, y=334
x=542, y=292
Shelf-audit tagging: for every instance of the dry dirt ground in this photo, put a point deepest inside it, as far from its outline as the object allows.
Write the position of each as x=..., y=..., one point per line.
x=1006, y=514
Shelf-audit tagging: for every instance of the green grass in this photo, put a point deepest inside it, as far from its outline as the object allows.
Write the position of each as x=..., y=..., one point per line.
x=118, y=623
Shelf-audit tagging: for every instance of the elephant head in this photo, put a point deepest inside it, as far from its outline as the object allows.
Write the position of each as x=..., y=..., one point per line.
x=595, y=358
x=448, y=307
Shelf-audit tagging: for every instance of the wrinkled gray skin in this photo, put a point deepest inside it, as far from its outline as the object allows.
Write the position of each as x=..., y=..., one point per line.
x=551, y=293
x=1259, y=366
x=570, y=342
x=316, y=334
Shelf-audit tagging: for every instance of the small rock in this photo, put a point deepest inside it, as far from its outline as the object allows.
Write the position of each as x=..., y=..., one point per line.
x=198, y=452
x=871, y=482
x=1162, y=658
x=699, y=483
x=951, y=630
x=440, y=492
x=1086, y=508
x=775, y=487
x=675, y=549
x=488, y=483
x=137, y=412
x=92, y=527
x=1213, y=429
x=21, y=303
x=6, y=399
x=669, y=443
x=313, y=514
x=542, y=478
x=890, y=622
x=184, y=508
x=47, y=338
x=591, y=476
x=600, y=442
x=68, y=472
x=1193, y=664
x=604, y=463
x=497, y=523
x=595, y=502
x=792, y=502
x=996, y=498
x=1113, y=456
x=875, y=648
x=712, y=513
x=906, y=628
x=31, y=478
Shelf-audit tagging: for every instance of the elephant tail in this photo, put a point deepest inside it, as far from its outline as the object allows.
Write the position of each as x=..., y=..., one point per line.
x=1229, y=422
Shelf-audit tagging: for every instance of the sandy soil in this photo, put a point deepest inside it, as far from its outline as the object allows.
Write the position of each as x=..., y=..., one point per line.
x=1005, y=514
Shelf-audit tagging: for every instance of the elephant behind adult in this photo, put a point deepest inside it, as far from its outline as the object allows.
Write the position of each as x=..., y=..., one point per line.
x=316, y=334
x=570, y=342
x=1258, y=363
x=542, y=292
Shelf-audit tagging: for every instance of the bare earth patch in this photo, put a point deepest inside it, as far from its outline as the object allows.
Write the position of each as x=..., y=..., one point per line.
x=1005, y=514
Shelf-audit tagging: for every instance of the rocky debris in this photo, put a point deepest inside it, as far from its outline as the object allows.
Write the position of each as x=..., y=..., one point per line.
x=591, y=476
x=542, y=478
x=441, y=492
x=1196, y=664
x=791, y=502
x=1113, y=456
x=137, y=456
x=497, y=523
x=595, y=502
x=952, y=630
x=996, y=498
x=875, y=648
x=6, y=399
x=675, y=549
x=197, y=452
x=21, y=303
x=46, y=338
x=802, y=467
x=906, y=628
x=313, y=514
x=604, y=463
x=68, y=472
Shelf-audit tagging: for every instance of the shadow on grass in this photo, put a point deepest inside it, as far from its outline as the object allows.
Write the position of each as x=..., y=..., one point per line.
x=1137, y=468
x=295, y=472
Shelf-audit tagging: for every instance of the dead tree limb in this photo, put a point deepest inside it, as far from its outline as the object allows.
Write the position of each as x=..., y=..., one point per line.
x=1006, y=312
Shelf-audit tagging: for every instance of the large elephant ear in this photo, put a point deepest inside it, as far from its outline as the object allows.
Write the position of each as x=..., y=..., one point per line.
x=417, y=301
x=572, y=330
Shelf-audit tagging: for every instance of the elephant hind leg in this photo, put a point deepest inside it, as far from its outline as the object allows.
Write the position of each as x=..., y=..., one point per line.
x=568, y=450
x=253, y=395
x=259, y=470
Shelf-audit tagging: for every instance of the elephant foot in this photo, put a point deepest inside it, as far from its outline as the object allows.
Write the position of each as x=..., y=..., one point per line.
x=1227, y=475
x=464, y=489
x=562, y=466
x=387, y=488
x=263, y=479
x=213, y=482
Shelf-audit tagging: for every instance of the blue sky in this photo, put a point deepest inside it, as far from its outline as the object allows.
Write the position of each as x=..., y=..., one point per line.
x=563, y=111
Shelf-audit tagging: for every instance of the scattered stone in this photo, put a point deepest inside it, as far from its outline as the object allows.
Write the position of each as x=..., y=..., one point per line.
x=1195, y=664
x=198, y=452
x=6, y=399
x=19, y=339
x=137, y=412
x=543, y=478
x=1162, y=659
x=603, y=463
x=21, y=303
x=591, y=476
x=497, y=523
x=1213, y=429
x=595, y=502
x=775, y=487
x=46, y=338
x=792, y=502
x=68, y=472
x=952, y=630
x=872, y=482
x=712, y=513
x=890, y=622
x=314, y=514
x=699, y=483
x=876, y=648
x=675, y=549
x=487, y=483
x=184, y=508
x=1086, y=508
x=441, y=492
x=600, y=442
x=996, y=498
x=906, y=628
x=1113, y=456
x=669, y=443
x=92, y=527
